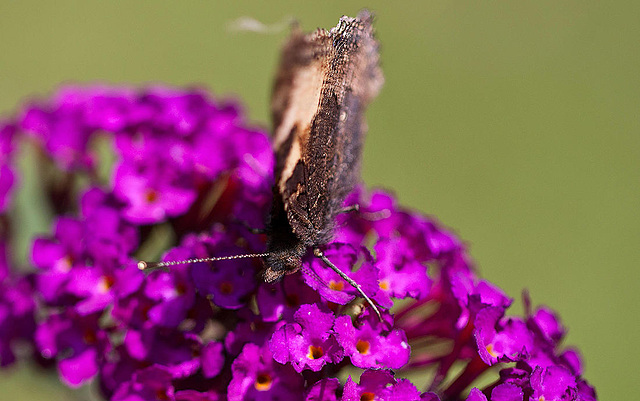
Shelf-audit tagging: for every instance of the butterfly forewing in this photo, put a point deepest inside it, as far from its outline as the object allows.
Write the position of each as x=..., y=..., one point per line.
x=324, y=82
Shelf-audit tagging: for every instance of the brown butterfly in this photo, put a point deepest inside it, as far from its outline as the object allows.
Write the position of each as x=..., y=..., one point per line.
x=323, y=85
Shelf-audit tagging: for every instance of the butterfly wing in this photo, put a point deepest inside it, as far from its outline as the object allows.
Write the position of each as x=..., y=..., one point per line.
x=324, y=83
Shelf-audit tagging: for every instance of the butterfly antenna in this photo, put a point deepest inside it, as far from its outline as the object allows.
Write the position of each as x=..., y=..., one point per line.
x=143, y=265
x=318, y=253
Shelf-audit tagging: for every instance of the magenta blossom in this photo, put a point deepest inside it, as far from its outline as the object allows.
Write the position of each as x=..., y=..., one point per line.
x=188, y=180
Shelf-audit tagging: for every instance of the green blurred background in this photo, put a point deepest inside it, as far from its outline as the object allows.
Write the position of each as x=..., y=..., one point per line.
x=514, y=122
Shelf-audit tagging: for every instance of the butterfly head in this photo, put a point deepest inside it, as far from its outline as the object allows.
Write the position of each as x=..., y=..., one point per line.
x=279, y=262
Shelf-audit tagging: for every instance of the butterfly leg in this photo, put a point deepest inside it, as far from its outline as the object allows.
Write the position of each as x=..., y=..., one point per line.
x=349, y=209
x=318, y=253
x=252, y=230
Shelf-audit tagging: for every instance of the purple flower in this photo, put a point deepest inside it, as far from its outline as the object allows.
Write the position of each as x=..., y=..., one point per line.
x=281, y=300
x=153, y=192
x=473, y=295
x=256, y=376
x=108, y=238
x=226, y=283
x=178, y=352
x=110, y=109
x=309, y=343
x=98, y=287
x=212, y=359
x=173, y=294
x=17, y=308
x=378, y=214
x=430, y=396
x=250, y=328
x=380, y=385
x=192, y=395
x=8, y=131
x=334, y=288
x=400, y=276
x=324, y=390
x=59, y=128
x=370, y=344
x=56, y=257
x=7, y=181
x=189, y=176
x=81, y=337
x=507, y=392
x=501, y=340
x=476, y=395
x=227, y=287
x=553, y=383
x=152, y=383
x=7, y=175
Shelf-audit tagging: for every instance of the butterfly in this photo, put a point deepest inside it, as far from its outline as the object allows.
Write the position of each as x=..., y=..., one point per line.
x=322, y=87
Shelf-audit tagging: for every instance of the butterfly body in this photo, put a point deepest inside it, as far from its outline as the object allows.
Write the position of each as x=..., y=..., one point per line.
x=324, y=83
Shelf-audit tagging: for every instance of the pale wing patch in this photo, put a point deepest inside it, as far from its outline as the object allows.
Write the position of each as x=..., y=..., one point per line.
x=303, y=104
x=290, y=163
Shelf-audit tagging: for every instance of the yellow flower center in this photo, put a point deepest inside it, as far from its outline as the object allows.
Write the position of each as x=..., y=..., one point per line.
x=65, y=263
x=336, y=285
x=263, y=382
x=315, y=352
x=105, y=283
x=367, y=397
x=226, y=287
x=151, y=195
x=491, y=351
x=363, y=347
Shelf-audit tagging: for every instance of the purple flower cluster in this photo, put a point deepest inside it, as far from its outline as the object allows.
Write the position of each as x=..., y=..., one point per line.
x=190, y=176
